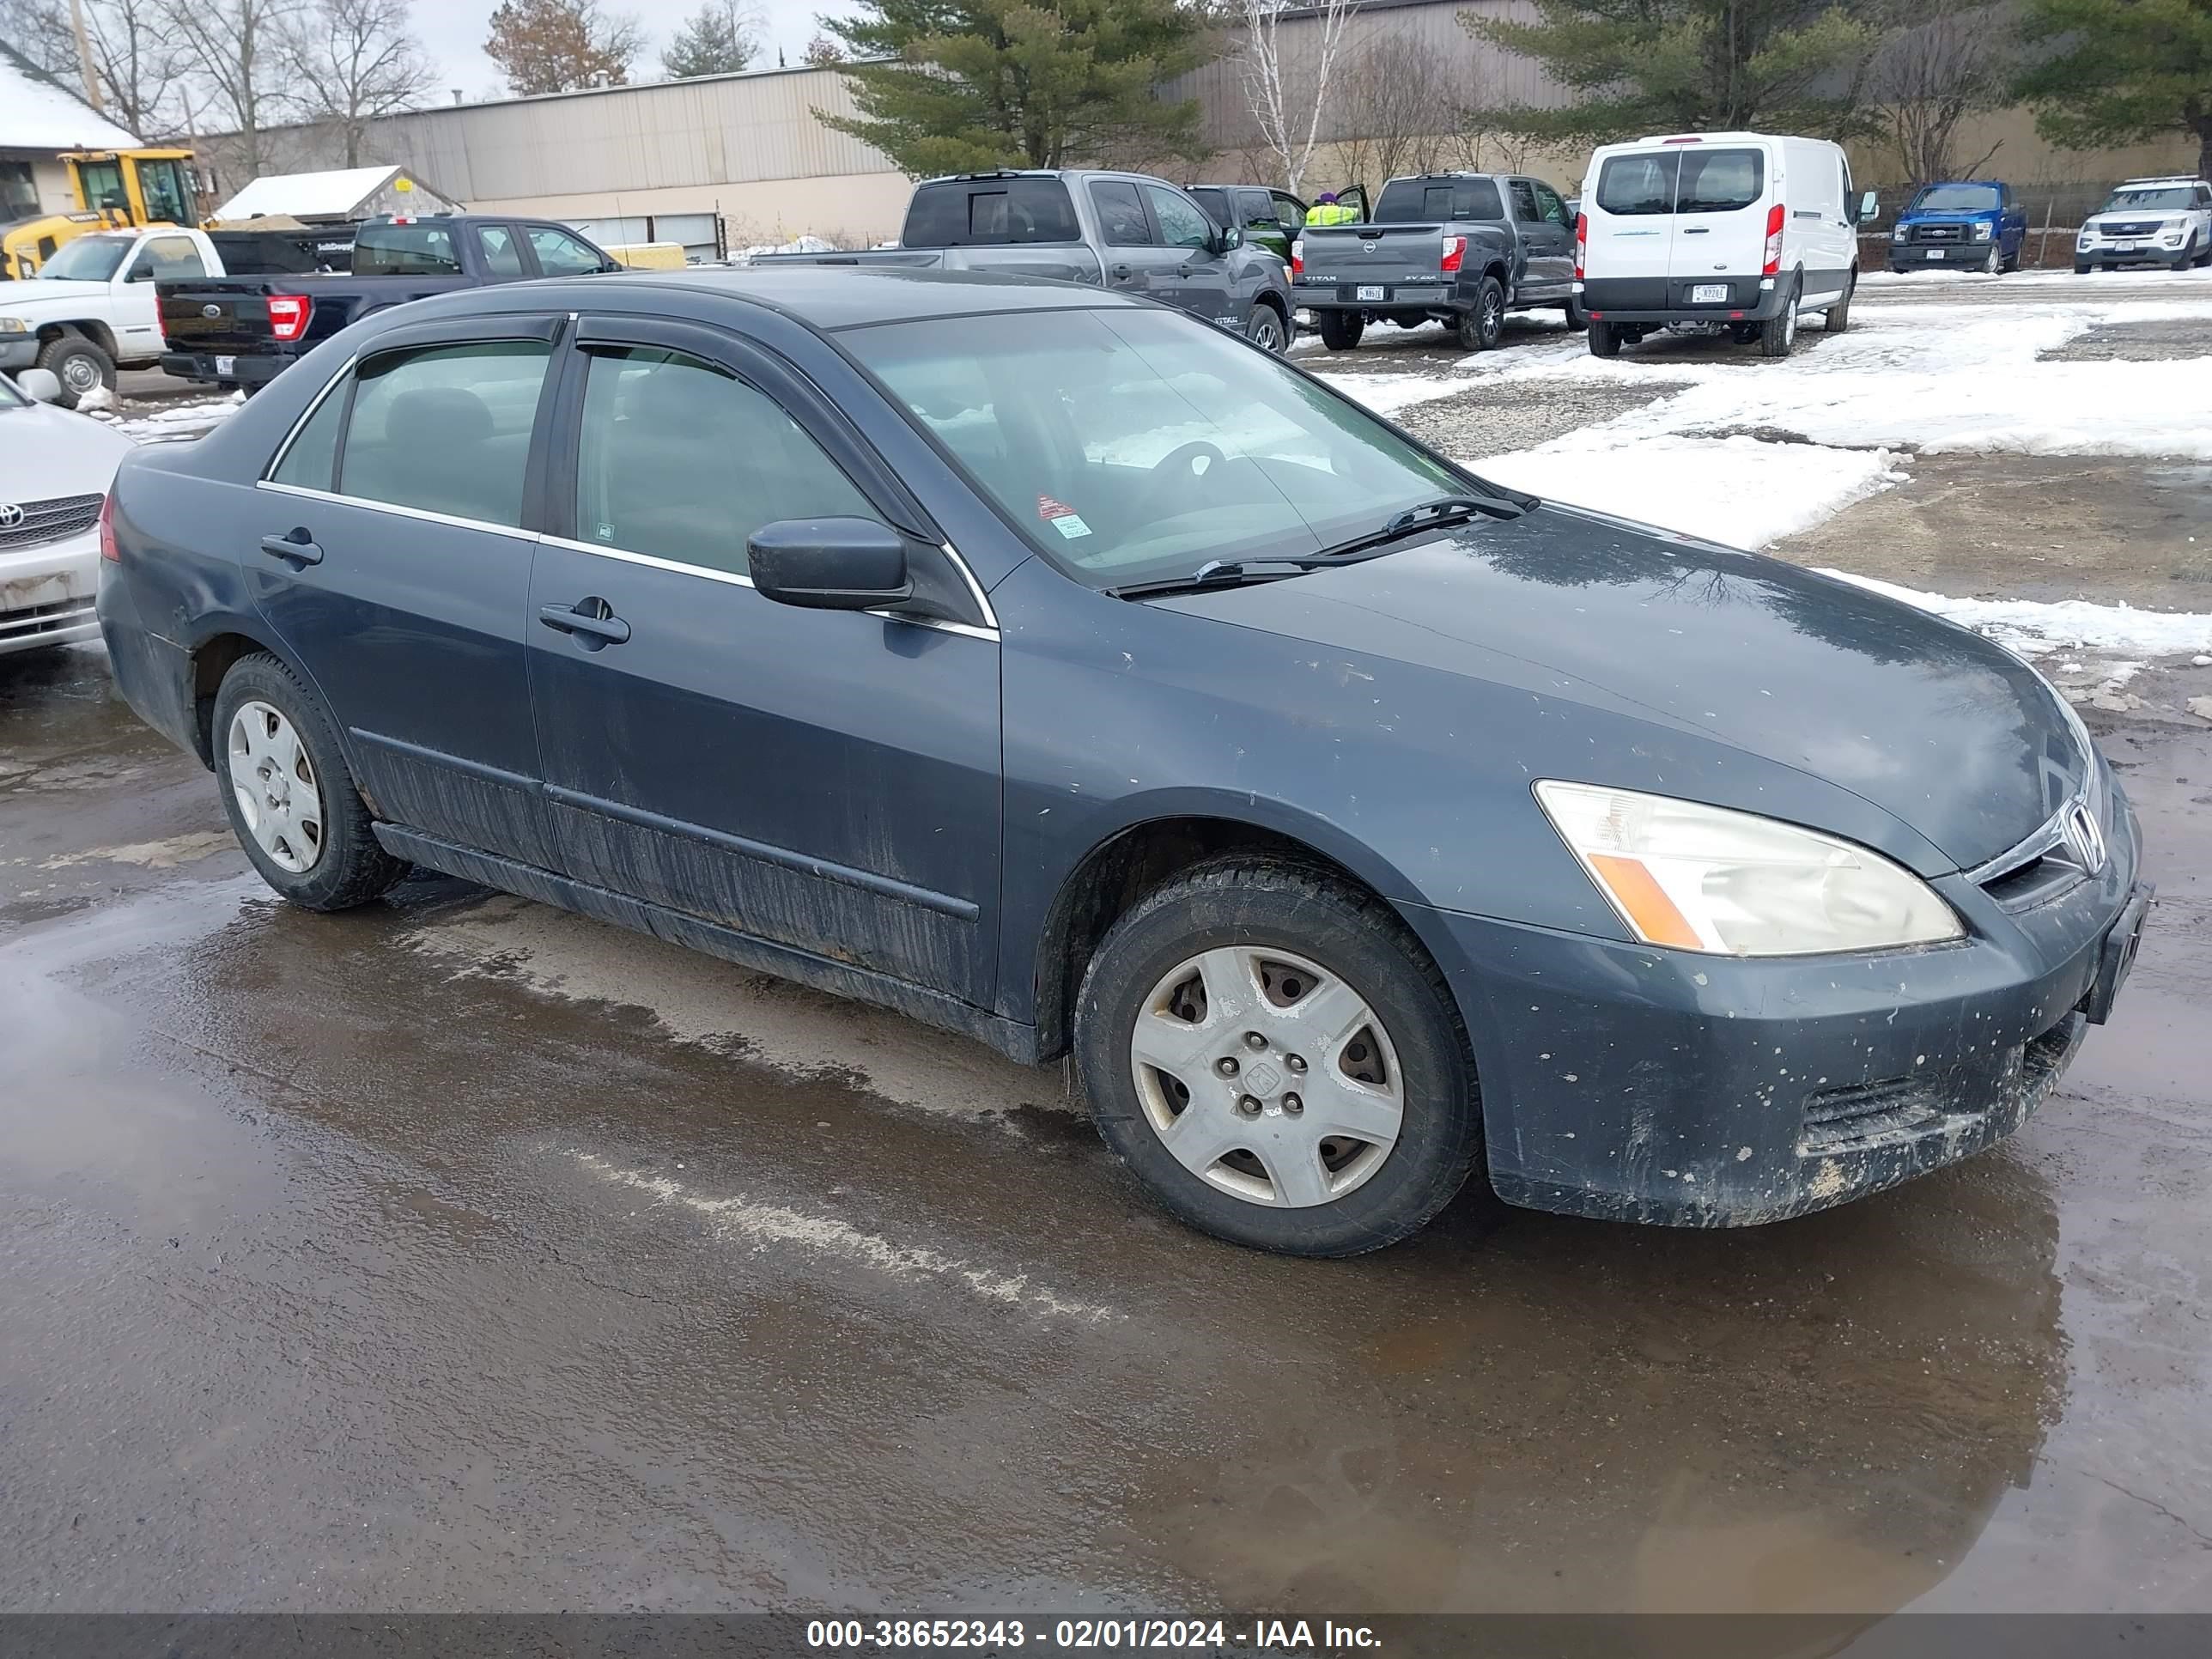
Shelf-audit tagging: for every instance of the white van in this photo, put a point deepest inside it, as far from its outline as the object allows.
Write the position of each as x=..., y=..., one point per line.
x=1741, y=231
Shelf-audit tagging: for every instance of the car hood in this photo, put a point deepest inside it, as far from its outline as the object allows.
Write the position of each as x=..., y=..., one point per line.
x=16, y=296
x=1976, y=216
x=47, y=451
x=1947, y=733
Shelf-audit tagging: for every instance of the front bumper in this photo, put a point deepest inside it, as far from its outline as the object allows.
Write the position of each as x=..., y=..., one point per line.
x=1940, y=256
x=2107, y=255
x=46, y=594
x=18, y=351
x=1634, y=1084
x=206, y=367
x=1663, y=299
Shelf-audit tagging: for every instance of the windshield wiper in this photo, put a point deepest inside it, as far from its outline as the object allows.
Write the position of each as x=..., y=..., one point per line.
x=1428, y=516
x=1227, y=573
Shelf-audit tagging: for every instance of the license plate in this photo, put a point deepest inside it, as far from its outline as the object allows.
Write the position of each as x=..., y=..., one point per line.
x=1369, y=293
x=226, y=365
x=1934, y=253
x=1709, y=293
x=2123, y=247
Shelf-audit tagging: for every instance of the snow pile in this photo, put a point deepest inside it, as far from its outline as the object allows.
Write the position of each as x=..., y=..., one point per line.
x=2036, y=629
x=1386, y=394
x=172, y=422
x=739, y=255
x=1736, y=491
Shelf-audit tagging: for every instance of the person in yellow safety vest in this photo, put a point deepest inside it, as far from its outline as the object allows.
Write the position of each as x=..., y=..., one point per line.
x=1327, y=210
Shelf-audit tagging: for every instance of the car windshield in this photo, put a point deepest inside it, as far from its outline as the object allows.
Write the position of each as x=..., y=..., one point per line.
x=1138, y=446
x=88, y=259
x=1954, y=198
x=2161, y=195
x=10, y=397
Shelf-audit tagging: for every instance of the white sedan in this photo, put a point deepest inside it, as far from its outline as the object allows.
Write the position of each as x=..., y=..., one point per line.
x=55, y=470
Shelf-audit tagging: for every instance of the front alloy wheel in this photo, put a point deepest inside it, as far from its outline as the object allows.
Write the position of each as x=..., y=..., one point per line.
x=1266, y=1077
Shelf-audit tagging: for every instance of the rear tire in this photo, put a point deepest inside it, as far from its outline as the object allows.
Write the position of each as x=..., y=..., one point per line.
x=79, y=364
x=1266, y=329
x=1578, y=318
x=288, y=792
x=1779, y=332
x=1604, y=340
x=1483, y=327
x=1236, y=948
x=1340, y=330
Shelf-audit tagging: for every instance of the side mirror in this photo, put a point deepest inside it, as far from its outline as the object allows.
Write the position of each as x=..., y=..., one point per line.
x=829, y=564
x=1231, y=238
x=40, y=386
x=140, y=274
x=1870, y=206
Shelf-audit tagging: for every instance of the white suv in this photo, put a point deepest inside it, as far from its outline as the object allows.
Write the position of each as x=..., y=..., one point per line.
x=2150, y=222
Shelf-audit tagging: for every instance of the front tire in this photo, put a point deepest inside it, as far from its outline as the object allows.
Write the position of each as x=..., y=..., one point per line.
x=288, y=792
x=79, y=364
x=1277, y=1061
x=1266, y=329
x=1993, y=262
x=1837, y=318
x=1340, y=330
x=1482, y=327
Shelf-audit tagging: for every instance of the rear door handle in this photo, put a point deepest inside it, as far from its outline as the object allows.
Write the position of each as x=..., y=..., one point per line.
x=1697, y=230
x=583, y=617
x=297, y=545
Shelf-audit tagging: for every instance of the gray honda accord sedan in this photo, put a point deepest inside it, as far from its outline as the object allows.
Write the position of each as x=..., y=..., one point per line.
x=1049, y=666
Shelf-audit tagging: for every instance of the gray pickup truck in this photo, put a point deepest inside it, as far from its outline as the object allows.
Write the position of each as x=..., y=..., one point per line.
x=1462, y=248
x=1119, y=230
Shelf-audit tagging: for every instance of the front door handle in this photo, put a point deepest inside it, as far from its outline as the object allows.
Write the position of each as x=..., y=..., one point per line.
x=297, y=544
x=1120, y=273
x=592, y=617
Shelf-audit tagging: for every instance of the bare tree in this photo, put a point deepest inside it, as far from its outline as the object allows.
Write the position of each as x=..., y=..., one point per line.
x=1398, y=110
x=351, y=60
x=39, y=32
x=1946, y=60
x=1287, y=97
x=560, y=46
x=135, y=53
x=234, y=49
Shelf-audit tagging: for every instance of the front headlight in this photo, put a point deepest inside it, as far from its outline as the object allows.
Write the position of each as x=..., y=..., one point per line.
x=1705, y=879
x=14, y=325
x=1981, y=233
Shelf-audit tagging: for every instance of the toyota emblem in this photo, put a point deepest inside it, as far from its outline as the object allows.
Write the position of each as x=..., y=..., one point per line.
x=210, y=311
x=2083, y=838
x=11, y=515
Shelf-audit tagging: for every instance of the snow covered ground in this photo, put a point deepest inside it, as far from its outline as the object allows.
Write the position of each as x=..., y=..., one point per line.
x=1746, y=452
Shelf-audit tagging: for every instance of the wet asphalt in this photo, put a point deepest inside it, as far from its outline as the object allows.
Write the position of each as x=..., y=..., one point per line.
x=457, y=1253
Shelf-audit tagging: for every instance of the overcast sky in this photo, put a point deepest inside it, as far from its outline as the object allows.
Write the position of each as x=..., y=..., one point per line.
x=454, y=32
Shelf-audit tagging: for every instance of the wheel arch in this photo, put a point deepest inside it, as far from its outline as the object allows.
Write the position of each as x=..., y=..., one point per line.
x=1119, y=868
x=210, y=661
x=90, y=330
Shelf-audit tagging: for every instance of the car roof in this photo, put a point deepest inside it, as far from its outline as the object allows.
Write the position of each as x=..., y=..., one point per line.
x=830, y=297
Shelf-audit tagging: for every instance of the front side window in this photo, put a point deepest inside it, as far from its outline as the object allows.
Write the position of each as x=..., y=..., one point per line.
x=1524, y=203
x=560, y=254
x=1549, y=206
x=102, y=183
x=1182, y=225
x=162, y=184
x=1121, y=215
x=681, y=460
x=445, y=429
x=502, y=256
x=1132, y=444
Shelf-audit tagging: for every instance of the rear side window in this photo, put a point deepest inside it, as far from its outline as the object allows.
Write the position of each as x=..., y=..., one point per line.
x=1720, y=180
x=992, y=212
x=405, y=251
x=313, y=457
x=1253, y=207
x=1213, y=199
x=502, y=256
x=681, y=460
x=445, y=430
x=1121, y=215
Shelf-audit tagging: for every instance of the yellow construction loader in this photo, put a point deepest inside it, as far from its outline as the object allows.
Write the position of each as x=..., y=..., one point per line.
x=115, y=189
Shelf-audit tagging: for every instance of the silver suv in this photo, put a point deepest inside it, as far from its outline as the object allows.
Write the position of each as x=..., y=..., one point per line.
x=2150, y=222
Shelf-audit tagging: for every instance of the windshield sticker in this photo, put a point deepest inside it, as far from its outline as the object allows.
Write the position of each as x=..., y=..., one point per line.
x=1061, y=517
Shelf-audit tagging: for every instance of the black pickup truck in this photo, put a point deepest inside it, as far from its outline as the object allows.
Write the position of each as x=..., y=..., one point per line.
x=244, y=331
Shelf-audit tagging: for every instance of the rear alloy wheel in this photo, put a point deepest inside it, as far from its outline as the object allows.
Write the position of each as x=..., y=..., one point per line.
x=1264, y=328
x=1276, y=1062
x=1779, y=332
x=289, y=793
x=1340, y=330
x=1483, y=325
x=80, y=365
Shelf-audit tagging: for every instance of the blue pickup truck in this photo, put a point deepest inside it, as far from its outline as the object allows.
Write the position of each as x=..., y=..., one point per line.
x=1972, y=225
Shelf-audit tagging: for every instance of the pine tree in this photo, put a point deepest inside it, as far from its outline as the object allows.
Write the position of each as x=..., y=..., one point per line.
x=970, y=84
x=719, y=39
x=2127, y=71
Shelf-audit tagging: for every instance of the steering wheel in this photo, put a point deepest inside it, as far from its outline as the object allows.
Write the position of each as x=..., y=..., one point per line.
x=1178, y=466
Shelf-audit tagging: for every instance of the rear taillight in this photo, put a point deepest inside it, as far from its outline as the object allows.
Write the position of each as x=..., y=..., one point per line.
x=1298, y=255
x=287, y=315
x=108, y=551
x=1581, y=243
x=1775, y=216
x=1455, y=251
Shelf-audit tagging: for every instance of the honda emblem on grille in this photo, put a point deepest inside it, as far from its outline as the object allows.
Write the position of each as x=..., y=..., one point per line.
x=210, y=311
x=2083, y=839
x=11, y=515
